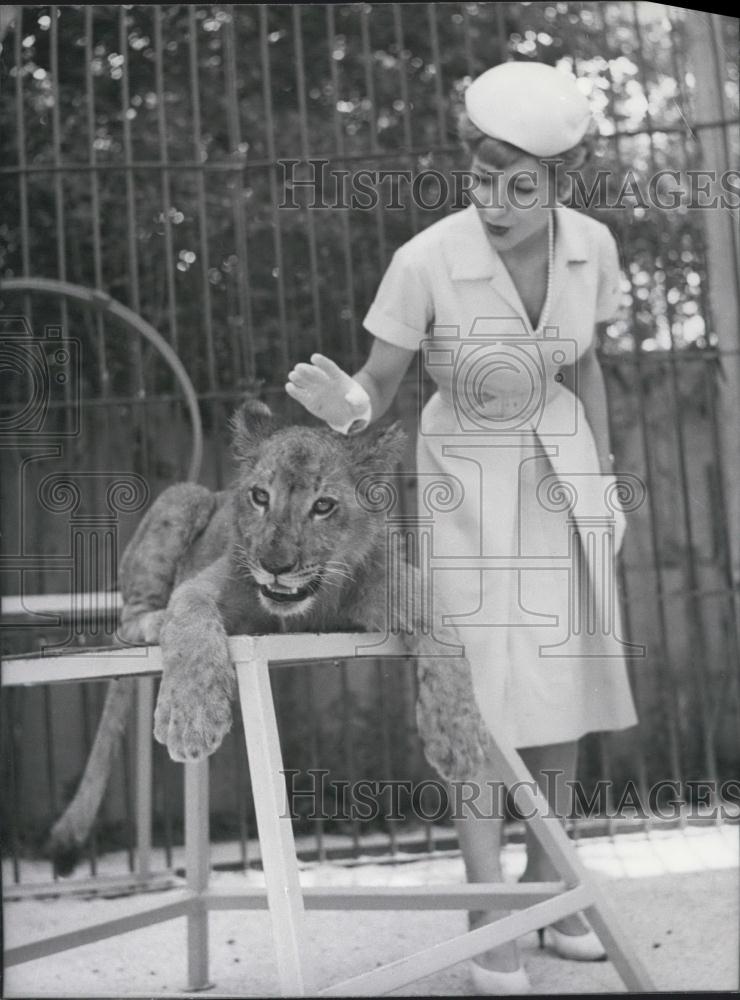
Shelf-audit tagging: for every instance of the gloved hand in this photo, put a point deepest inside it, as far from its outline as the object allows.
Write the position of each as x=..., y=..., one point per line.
x=330, y=394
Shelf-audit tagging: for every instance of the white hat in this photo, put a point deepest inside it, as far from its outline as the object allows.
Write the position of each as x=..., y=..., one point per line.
x=530, y=105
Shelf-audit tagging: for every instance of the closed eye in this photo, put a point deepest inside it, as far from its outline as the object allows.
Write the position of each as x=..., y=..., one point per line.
x=323, y=506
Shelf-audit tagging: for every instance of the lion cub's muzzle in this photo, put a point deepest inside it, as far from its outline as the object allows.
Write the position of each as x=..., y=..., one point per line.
x=285, y=593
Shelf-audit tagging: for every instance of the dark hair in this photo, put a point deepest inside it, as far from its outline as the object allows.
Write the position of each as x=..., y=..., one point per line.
x=500, y=154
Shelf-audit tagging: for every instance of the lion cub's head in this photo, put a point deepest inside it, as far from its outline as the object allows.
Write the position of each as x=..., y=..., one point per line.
x=301, y=531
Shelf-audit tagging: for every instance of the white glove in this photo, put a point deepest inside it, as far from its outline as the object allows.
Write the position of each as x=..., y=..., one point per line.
x=330, y=394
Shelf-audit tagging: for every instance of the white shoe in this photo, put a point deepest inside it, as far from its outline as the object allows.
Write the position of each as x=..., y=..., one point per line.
x=578, y=947
x=491, y=982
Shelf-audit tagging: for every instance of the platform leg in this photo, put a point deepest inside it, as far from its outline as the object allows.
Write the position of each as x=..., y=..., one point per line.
x=274, y=825
x=197, y=863
x=559, y=847
x=144, y=716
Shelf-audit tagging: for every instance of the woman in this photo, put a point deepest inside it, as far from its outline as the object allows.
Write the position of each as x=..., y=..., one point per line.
x=510, y=291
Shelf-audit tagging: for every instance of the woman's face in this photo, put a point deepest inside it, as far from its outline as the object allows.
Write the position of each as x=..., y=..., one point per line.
x=511, y=202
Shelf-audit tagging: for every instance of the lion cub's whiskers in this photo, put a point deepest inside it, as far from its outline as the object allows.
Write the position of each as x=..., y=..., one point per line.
x=243, y=552
x=343, y=574
x=339, y=569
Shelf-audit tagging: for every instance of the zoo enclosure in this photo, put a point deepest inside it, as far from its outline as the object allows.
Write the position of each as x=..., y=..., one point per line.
x=143, y=149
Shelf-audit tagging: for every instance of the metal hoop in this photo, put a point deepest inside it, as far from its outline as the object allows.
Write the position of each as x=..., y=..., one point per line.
x=100, y=300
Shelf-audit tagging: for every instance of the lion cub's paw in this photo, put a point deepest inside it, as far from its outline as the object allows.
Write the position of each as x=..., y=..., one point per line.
x=192, y=730
x=193, y=712
x=143, y=628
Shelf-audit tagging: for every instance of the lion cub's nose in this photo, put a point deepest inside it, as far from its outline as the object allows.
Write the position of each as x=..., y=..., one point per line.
x=276, y=566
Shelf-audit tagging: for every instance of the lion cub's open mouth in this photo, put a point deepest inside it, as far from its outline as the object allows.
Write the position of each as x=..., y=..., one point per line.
x=281, y=594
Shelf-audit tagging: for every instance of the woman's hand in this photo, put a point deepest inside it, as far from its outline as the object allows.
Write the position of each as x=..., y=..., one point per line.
x=330, y=394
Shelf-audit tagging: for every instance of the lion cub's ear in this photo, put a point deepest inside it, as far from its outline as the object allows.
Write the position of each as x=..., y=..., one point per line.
x=379, y=450
x=252, y=423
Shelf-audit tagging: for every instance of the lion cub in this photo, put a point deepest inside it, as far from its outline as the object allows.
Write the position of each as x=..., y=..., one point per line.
x=289, y=547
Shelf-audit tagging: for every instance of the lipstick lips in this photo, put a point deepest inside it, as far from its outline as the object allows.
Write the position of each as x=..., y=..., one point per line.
x=497, y=230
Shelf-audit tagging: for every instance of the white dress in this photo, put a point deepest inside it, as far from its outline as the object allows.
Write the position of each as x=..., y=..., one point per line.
x=518, y=561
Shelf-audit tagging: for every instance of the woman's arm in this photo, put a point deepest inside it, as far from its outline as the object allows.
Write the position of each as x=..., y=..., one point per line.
x=586, y=380
x=382, y=374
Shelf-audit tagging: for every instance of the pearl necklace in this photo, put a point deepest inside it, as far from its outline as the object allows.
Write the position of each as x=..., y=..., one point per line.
x=550, y=264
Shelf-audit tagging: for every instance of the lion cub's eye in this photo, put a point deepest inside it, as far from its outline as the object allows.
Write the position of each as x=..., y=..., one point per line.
x=323, y=506
x=260, y=498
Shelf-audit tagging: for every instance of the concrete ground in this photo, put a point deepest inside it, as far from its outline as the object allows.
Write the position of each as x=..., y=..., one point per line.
x=676, y=892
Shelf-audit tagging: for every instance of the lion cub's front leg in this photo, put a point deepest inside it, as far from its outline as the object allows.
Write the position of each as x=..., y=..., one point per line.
x=193, y=711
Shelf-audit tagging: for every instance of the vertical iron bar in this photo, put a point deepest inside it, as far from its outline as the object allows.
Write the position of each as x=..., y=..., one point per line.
x=385, y=748
x=20, y=118
x=165, y=783
x=428, y=825
x=56, y=133
x=12, y=697
x=467, y=44
x=633, y=670
x=346, y=238
x=201, y=198
x=300, y=74
x=140, y=414
x=238, y=763
x=164, y=175
x=606, y=771
x=203, y=246
x=288, y=348
x=128, y=797
x=407, y=136
x=437, y=63
x=95, y=209
x=142, y=723
x=503, y=38
x=92, y=846
x=51, y=775
x=245, y=344
x=367, y=61
x=348, y=745
x=314, y=753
